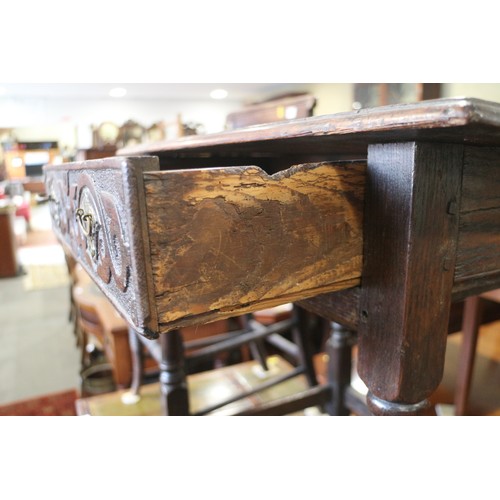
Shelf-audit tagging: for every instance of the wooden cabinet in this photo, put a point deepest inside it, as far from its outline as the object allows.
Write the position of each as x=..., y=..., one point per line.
x=8, y=248
x=26, y=160
x=95, y=153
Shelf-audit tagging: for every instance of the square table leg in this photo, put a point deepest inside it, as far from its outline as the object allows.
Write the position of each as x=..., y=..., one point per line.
x=410, y=237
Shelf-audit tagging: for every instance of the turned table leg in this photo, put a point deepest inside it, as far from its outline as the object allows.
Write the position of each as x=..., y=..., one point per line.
x=173, y=384
x=339, y=349
x=387, y=408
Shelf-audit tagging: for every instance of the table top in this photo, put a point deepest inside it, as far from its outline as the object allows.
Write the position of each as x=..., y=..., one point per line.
x=467, y=120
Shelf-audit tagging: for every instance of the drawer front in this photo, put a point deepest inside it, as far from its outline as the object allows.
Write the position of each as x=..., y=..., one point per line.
x=96, y=212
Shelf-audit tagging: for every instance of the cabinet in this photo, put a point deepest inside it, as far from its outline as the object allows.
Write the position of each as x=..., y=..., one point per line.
x=8, y=247
x=95, y=153
x=25, y=160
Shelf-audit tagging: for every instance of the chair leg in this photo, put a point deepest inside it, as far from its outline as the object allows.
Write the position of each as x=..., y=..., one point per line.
x=137, y=356
x=173, y=384
x=83, y=347
x=473, y=308
x=302, y=339
x=339, y=349
x=257, y=349
x=258, y=352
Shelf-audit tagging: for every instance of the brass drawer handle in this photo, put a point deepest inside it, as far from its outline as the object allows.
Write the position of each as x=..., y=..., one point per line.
x=90, y=229
x=86, y=222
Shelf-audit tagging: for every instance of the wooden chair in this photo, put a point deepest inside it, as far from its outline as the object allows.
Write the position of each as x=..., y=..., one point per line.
x=102, y=335
x=100, y=328
x=172, y=352
x=73, y=279
x=472, y=321
x=90, y=335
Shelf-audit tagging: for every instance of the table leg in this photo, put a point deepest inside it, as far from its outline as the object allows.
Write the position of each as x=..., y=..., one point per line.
x=173, y=382
x=410, y=236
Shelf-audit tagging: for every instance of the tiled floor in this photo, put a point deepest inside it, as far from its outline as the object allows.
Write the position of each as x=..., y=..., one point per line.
x=38, y=354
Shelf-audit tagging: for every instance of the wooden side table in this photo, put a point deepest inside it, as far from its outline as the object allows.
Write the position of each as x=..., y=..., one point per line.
x=383, y=217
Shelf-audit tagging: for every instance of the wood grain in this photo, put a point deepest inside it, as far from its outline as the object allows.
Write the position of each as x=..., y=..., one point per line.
x=478, y=251
x=230, y=240
x=481, y=179
x=341, y=307
x=409, y=249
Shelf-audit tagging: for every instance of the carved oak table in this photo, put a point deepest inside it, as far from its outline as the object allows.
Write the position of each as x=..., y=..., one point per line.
x=376, y=219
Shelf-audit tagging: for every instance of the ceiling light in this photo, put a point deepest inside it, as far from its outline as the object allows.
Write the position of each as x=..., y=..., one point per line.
x=118, y=92
x=3, y=90
x=218, y=94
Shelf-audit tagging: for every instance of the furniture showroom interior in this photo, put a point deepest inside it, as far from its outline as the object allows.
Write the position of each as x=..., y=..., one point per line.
x=250, y=249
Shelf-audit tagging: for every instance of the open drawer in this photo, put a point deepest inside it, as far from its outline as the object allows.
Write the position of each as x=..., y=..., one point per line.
x=179, y=247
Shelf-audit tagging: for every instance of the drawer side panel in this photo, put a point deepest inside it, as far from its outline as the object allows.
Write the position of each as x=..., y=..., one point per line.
x=478, y=252
x=230, y=240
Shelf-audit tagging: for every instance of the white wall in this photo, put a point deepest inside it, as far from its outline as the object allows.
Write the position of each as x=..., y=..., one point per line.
x=332, y=97
x=487, y=91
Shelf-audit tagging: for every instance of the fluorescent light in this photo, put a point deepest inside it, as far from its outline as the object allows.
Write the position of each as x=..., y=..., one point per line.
x=3, y=90
x=218, y=94
x=118, y=92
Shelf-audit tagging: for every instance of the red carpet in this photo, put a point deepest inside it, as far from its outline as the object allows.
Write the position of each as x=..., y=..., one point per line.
x=57, y=404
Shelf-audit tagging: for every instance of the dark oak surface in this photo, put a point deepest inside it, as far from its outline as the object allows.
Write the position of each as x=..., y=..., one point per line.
x=409, y=251
x=478, y=252
x=444, y=120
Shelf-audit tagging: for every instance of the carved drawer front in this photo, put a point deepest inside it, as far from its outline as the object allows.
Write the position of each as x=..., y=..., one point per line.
x=96, y=213
x=181, y=247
